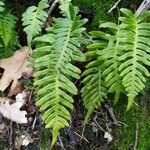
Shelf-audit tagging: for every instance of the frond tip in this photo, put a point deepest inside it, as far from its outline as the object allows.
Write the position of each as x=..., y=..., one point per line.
x=33, y=19
x=7, y=27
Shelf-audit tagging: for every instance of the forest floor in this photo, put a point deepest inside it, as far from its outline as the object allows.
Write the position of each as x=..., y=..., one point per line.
x=110, y=128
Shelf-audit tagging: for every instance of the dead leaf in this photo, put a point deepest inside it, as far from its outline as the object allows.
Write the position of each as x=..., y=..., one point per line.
x=12, y=111
x=14, y=67
x=16, y=90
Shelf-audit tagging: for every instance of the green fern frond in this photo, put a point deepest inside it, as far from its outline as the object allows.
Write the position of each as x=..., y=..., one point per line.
x=33, y=19
x=110, y=55
x=133, y=40
x=94, y=90
x=2, y=8
x=54, y=71
x=7, y=27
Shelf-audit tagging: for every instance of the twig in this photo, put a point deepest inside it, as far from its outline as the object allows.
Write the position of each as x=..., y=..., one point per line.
x=143, y=7
x=136, y=136
x=95, y=121
x=50, y=11
x=61, y=144
x=111, y=113
x=49, y=1
x=52, y=7
x=114, y=6
x=82, y=137
x=34, y=121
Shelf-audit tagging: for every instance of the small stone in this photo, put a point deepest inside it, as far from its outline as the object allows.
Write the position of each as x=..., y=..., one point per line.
x=108, y=136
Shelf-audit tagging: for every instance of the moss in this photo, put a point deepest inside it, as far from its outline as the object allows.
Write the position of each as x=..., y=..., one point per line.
x=124, y=137
x=100, y=8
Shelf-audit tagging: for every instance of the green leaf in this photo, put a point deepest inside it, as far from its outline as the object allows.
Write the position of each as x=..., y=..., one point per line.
x=33, y=20
x=55, y=71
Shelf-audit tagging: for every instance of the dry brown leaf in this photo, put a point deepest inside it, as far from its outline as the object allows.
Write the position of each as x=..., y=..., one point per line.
x=14, y=67
x=12, y=111
x=16, y=90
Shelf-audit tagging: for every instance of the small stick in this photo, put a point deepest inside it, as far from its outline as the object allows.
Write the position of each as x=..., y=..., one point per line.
x=50, y=11
x=111, y=113
x=95, y=121
x=114, y=7
x=61, y=144
x=136, y=136
x=52, y=7
x=143, y=7
x=82, y=137
x=34, y=122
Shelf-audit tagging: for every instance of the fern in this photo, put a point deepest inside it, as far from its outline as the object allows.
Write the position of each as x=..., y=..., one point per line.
x=94, y=90
x=8, y=35
x=110, y=56
x=102, y=72
x=7, y=27
x=119, y=59
x=133, y=41
x=55, y=71
x=33, y=19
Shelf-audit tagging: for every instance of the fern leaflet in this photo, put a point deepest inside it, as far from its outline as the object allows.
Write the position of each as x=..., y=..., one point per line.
x=135, y=56
x=94, y=90
x=7, y=27
x=33, y=19
x=110, y=55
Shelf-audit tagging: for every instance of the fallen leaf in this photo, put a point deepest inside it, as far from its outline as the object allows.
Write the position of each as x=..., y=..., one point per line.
x=12, y=111
x=16, y=90
x=14, y=68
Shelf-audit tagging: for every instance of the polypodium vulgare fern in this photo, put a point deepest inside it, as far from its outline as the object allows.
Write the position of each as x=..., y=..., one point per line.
x=94, y=90
x=135, y=56
x=53, y=61
x=33, y=19
x=110, y=56
x=123, y=60
x=104, y=52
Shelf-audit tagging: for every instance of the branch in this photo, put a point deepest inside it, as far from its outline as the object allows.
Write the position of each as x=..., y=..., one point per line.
x=52, y=7
x=143, y=7
x=114, y=7
x=111, y=113
x=50, y=11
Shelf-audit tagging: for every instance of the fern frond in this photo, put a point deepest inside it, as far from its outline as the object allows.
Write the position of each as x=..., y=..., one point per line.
x=33, y=19
x=94, y=90
x=2, y=8
x=7, y=27
x=110, y=55
x=133, y=40
x=55, y=71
